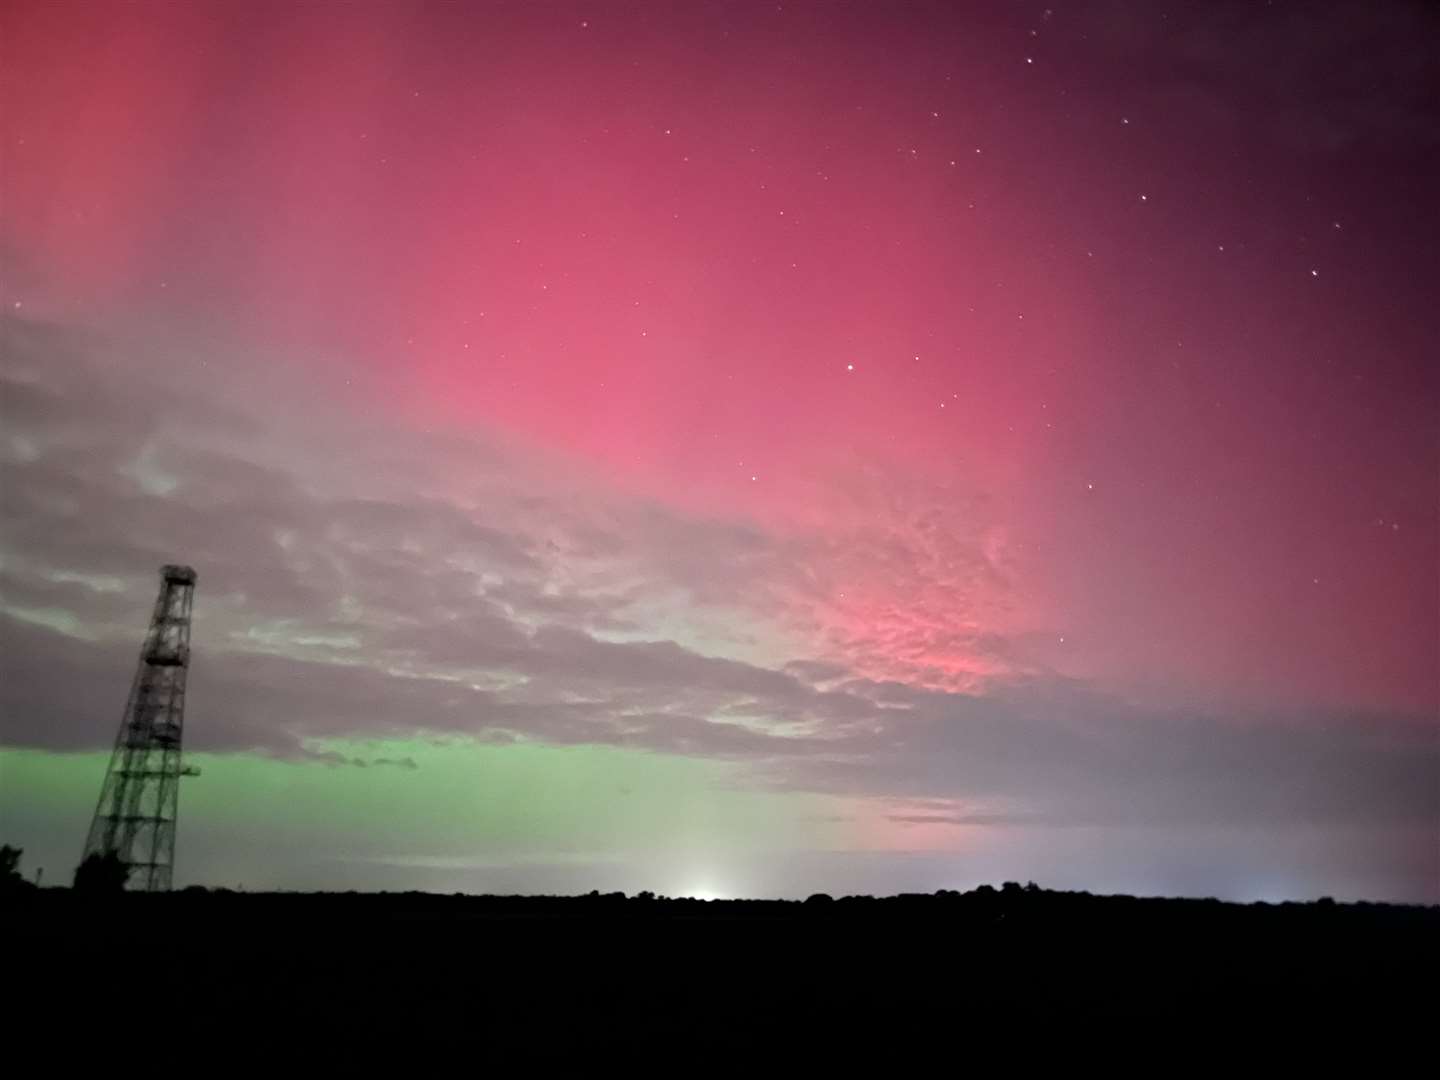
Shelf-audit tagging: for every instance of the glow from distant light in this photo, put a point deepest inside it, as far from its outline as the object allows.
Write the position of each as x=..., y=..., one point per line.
x=703, y=892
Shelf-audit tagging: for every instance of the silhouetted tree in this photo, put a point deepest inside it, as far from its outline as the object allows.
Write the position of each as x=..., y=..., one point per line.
x=10, y=879
x=100, y=874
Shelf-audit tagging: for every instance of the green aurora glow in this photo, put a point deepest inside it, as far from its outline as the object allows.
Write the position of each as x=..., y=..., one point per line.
x=464, y=803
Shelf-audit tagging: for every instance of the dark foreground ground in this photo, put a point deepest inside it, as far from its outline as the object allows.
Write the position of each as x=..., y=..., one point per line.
x=639, y=970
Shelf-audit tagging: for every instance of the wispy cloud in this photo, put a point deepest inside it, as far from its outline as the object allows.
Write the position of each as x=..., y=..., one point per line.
x=343, y=594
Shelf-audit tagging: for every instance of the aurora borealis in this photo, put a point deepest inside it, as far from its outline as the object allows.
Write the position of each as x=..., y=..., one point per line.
x=732, y=448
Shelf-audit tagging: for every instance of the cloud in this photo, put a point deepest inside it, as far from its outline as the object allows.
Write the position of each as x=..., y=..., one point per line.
x=1056, y=752
x=377, y=583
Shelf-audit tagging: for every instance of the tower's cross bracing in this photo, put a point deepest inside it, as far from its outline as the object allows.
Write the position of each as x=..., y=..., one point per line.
x=135, y=817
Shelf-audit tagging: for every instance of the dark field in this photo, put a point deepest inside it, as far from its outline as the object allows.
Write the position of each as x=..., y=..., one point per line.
x=633, y=970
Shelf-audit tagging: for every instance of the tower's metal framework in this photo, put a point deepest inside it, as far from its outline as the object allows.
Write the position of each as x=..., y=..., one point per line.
x=135, y=817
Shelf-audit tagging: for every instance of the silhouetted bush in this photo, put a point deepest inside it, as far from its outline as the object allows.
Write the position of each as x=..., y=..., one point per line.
x=11, y=880
x=101, y=874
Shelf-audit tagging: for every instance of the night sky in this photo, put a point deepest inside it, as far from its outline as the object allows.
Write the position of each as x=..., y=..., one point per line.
x=732, y=449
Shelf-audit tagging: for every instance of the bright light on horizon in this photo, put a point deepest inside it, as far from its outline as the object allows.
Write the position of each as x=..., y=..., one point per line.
x=703, y=892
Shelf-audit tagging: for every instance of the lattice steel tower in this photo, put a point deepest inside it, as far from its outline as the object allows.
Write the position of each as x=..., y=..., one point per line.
x=135, y=817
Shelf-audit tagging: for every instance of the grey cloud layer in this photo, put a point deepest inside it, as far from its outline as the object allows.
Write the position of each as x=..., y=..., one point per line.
x=388, y=584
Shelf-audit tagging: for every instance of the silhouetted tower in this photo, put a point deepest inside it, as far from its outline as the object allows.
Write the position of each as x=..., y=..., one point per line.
x=135, y=817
